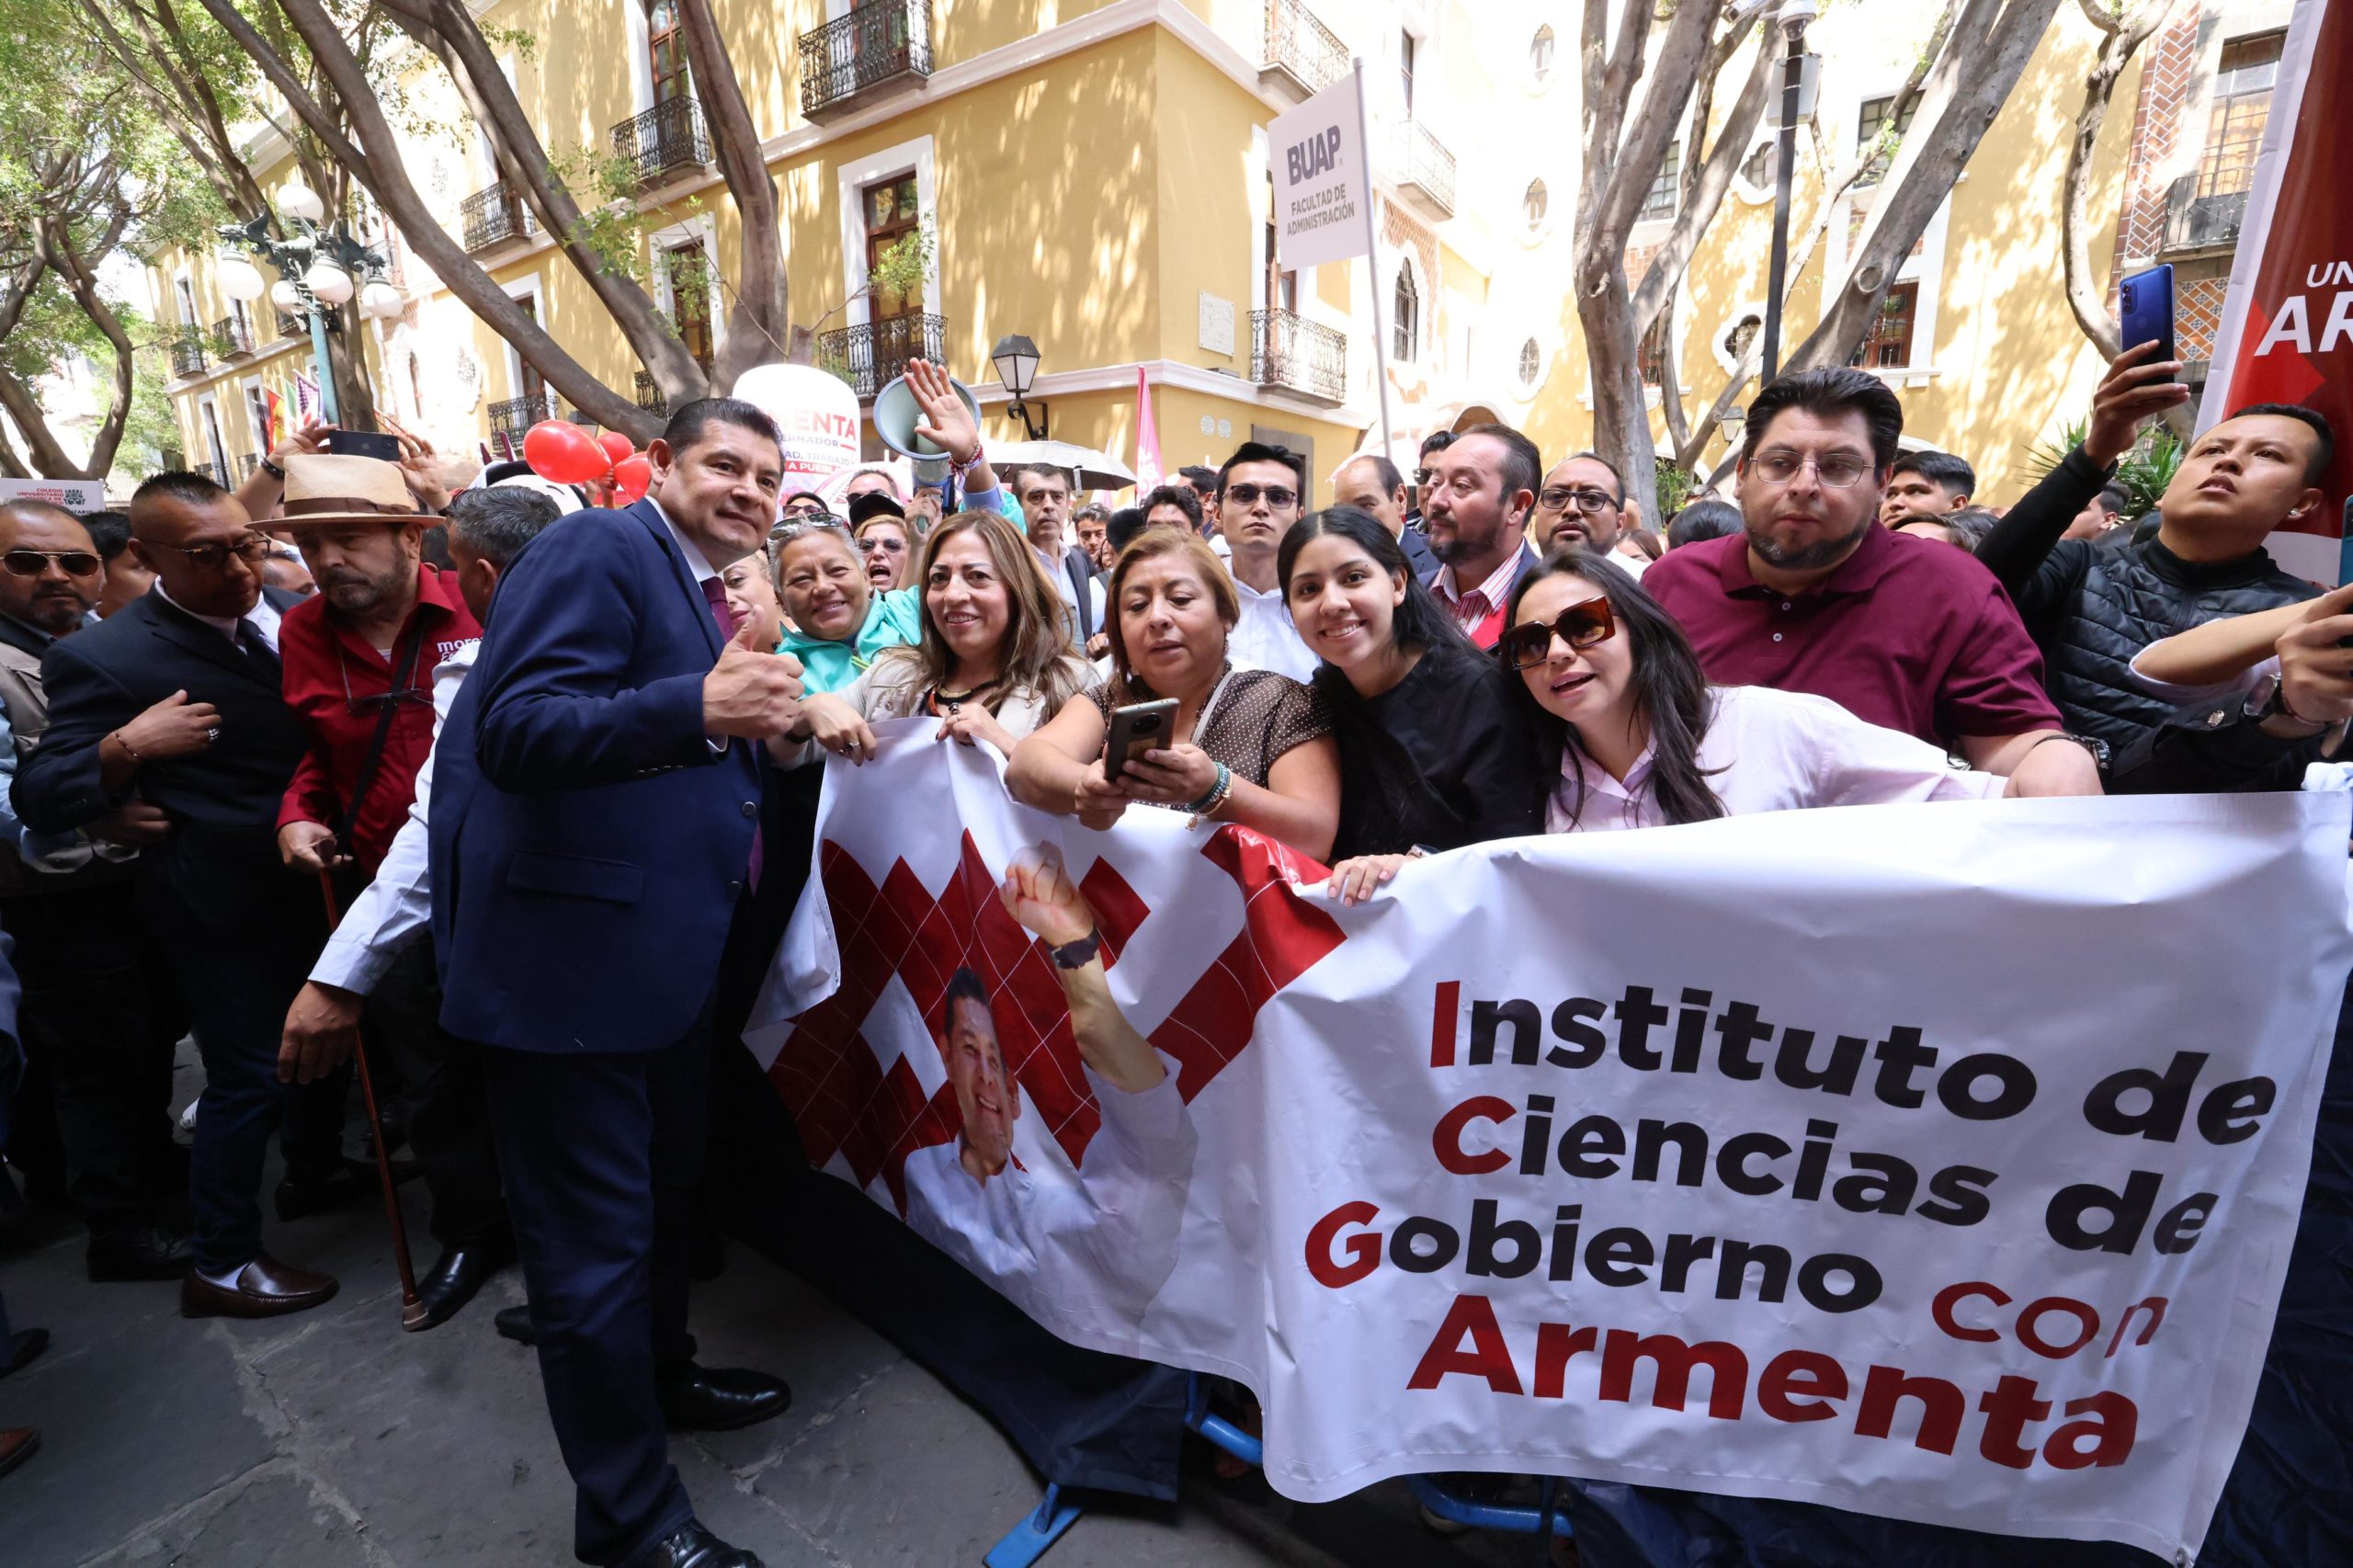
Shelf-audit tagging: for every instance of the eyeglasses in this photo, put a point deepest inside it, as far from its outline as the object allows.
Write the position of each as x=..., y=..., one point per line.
x=33, y=562
x=1838, y=470
x=1587, y=501
x=797, y=509
x=1580, y=626
x=252, y=549
x=1248, y=494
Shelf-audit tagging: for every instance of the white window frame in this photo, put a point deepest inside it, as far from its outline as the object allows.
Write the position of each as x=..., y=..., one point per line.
x=184, y=297
x=640, y=43
x=1926, y=268
x=1730, y=319
x=1404, y=270
x=208, y=430
x=697, y=227
x=256, y=412
x=916, y=157
x=525, y=288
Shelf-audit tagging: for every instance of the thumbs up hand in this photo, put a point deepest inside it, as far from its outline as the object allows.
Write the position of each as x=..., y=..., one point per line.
x=751, y=692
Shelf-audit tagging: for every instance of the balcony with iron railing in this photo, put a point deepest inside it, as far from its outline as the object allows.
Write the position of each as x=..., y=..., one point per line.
x=1421, y=169
x=233, y=336
x=2194, y=222
x=650, y=396
x=666, y=140
x=187, y=352
x=1303, y=56
x=494, y=216
x=880, y=46
x=867, y=356
x=1289, y=351
x=510, y=418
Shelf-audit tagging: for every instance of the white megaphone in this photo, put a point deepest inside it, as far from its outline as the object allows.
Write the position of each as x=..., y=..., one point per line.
x=896, y=414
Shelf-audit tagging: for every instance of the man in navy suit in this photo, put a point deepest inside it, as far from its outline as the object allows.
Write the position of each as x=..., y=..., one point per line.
x=175, y=700
x=589, y=855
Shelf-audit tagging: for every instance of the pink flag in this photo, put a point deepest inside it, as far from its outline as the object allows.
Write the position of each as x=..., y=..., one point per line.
x=1147, y=440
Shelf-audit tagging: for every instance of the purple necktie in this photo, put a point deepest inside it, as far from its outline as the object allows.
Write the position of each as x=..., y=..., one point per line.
x=715, y=592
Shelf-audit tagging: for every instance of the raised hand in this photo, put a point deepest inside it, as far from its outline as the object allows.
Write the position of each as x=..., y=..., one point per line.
x=1039, y=894
x=2137, y=385
x=420, y=469
x=752, y=693
x=946, y=422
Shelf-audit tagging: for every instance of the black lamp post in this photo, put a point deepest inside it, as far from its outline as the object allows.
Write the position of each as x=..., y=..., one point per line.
x=1016, y=358
x=1794, y=17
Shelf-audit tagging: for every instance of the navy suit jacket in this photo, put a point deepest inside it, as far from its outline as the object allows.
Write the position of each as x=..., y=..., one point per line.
x=590, y=845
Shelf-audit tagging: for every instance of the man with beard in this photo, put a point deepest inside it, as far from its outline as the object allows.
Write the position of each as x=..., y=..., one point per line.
x=360, y=656
x=1260, y=493
x=1815, y=595
x=1475, y=504
x=1584, y=502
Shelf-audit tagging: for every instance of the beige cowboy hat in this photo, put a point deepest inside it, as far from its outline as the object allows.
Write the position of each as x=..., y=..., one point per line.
x=330, y=487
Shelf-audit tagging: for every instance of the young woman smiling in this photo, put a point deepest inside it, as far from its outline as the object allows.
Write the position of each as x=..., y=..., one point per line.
x=1436, y=750
x=839, y=622
x=1256, y=748
x=991, y=659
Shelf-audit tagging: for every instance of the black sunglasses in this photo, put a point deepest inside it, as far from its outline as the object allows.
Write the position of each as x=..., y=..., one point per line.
x=33, y=562
x=1581, y=626
x=1247, y=494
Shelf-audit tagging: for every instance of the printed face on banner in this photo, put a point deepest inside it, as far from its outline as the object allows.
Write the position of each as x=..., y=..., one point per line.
x=987, y=1098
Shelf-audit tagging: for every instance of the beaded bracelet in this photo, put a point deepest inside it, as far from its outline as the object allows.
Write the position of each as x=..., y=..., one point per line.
x=1207, y=806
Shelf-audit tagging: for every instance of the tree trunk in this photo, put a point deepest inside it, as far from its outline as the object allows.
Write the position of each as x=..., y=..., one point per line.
x=388, y=181
x=1704, y=191
x=759, y=320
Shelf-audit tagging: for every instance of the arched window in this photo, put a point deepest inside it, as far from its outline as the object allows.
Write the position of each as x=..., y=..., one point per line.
x=1763, y=167
x=1539, y=56
x=1406, y=316
x=1532, y=363
x=1535, y=204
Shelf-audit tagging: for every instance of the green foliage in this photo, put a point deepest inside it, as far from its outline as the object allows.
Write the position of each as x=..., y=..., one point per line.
x=905, y=264
x=1676, y=484
x=2142, y=472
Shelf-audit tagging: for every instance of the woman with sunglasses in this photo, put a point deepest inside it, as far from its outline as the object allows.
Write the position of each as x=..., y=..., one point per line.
x=1630, y=734
x=993, y=660
x=839, y=622
x=1436, y=750
x=1256, y=746
x=884, y=540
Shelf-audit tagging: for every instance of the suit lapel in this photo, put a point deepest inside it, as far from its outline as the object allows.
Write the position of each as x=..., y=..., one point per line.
x=190, y=635
x=650, y=516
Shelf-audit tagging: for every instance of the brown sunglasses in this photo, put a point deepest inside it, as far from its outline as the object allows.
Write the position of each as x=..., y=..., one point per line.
x=1581, y=625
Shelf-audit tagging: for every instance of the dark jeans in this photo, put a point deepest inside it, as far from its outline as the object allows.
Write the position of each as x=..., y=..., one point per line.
x=238, y=978
x=102, y=1045
x=599, y=1153
x=449, y=1120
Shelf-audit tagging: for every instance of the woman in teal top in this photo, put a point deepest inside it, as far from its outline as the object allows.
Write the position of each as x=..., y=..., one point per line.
x=838, y=623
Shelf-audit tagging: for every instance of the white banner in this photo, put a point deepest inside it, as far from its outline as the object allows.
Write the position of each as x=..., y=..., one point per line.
x=1323, y=184
x=79, y=496
x=1939, y=1162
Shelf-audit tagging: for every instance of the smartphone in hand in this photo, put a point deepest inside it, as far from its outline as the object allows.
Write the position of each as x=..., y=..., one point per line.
x=1136, y=729
x=2145, y=311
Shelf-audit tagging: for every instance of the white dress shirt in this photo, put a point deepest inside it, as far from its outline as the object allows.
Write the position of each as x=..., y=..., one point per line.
x=1110, y=1239
x=391, y=910
x=1773, y=751
x=697, y=562
x=1058, y=573
x=1265, y=639
x=264, y=615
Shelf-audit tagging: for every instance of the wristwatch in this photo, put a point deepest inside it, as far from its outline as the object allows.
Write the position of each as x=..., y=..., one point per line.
x=1078, y=954
x=2268, y=699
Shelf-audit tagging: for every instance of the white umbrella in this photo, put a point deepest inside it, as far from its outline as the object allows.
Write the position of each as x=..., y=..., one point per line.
x=1096, y=471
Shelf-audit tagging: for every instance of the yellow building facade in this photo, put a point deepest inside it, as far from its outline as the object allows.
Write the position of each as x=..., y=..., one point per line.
x=1095, y=175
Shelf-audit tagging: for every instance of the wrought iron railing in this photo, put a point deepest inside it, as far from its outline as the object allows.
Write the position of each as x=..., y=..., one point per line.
x=493, y=217
x=291, y=326
x=867, y=356
x=1420, y=159
x=650, y=396
x=1298, y=44
x=1289, y=351
x=187, y=352
x=665, y=139
x=518, y=415
x=2194, y=222
x=877, y=42
x=233, y=335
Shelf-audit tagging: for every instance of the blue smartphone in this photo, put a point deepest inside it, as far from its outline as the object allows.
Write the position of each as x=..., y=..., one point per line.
x=2145, y=311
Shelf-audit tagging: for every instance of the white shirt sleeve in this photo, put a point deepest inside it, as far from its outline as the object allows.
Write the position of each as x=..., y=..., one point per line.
x=1857, y=763
x=2244, y=681
x=391, y=910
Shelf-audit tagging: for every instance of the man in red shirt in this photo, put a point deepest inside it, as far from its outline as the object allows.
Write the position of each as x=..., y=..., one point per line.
x=359, y=657
x=1816, y=595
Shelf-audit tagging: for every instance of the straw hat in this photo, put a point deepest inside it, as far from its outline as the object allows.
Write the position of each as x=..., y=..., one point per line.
x=329, y=487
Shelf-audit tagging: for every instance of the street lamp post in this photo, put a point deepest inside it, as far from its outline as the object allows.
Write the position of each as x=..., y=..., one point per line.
x=319, y=267
x=1795, y=16
x=1016, y=358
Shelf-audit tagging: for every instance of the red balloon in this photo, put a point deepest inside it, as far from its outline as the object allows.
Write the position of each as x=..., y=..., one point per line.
x=617, y=445
x=561, y=450
x=630, y=477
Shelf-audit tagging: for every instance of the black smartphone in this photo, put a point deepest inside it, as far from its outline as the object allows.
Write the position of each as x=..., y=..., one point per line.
x=1135, y=730
x=364, y=444
x=2145, y=311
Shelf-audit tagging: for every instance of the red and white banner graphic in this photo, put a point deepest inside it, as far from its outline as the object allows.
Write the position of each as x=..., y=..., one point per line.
x=2287, y=328
x=1939, y=1162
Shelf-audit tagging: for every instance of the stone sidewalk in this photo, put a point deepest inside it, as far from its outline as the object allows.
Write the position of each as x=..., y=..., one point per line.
x=334, y=1440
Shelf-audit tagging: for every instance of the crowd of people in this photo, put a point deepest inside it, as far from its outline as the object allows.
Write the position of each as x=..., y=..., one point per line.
x=357, y=749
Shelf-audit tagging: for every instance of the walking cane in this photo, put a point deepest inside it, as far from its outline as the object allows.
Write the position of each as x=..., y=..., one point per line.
x=412, y=1305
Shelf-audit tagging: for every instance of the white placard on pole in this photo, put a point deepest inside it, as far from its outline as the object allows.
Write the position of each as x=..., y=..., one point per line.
x=1321, y=156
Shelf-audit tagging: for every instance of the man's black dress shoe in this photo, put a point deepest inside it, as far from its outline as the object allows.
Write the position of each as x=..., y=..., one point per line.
x=515, y=1323
x=319, y=1195
x=691, y=1546
x=21, y=1349
x=457, y=1274
x=719, y=1399
x=149, y=1252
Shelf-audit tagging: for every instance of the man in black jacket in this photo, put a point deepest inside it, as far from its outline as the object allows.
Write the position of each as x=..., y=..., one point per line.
x=177, y=696
x=2093, y=609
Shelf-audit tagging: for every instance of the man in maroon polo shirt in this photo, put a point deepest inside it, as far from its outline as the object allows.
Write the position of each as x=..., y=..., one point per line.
x=1816, y=595
x=360, y=656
